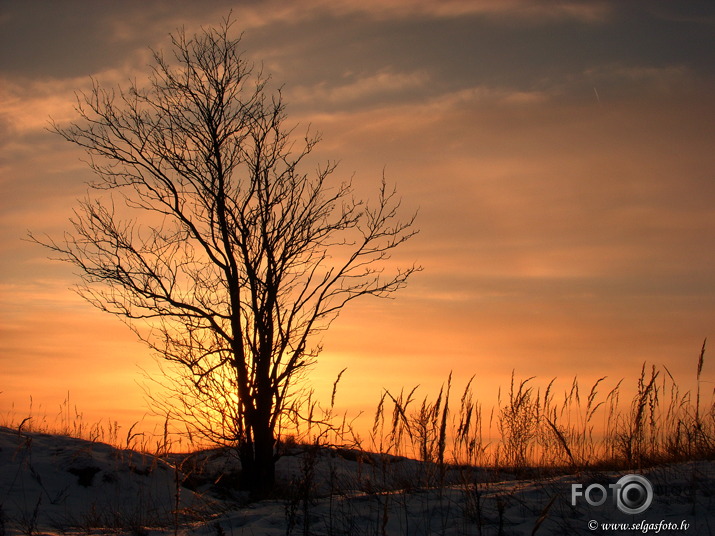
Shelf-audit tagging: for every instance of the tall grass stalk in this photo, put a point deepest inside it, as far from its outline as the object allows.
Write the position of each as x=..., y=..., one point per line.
x=582, y=428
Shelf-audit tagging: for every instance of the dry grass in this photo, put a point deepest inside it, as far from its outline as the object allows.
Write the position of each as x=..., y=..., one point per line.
x=159, y=440
x=531, y=425
x=583, y=428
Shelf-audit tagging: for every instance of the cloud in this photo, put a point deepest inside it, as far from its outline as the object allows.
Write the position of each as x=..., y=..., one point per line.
x=26, y=106
x=619, y=79
x=27, y=103
x=536, y=187
x=366, y=87
x=504, y=10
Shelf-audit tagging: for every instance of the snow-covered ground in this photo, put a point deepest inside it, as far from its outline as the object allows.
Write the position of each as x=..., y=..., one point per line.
x=53, y=484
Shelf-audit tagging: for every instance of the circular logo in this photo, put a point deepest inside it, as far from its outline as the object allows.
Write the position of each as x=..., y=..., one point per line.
x=634, y=493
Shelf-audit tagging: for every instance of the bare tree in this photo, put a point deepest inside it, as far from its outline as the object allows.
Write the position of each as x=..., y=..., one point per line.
x=211, y=242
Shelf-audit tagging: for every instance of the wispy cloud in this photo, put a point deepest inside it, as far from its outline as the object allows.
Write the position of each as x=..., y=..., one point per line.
x=28, y=103
x=506, y=10
x=514, y=10
x=644, y=79
x=359, y=87
x=26, y=106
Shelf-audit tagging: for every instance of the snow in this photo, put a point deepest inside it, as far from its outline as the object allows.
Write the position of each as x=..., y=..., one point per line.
x=51, y=484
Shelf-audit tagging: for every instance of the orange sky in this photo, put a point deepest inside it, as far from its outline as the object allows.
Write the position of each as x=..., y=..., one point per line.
x=561, y=159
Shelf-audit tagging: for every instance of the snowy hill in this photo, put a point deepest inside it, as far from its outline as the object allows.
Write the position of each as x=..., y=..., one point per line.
x=53, y=484
x=50, y=482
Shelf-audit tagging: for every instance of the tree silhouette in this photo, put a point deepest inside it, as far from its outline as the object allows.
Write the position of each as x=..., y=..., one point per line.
x=208, y=239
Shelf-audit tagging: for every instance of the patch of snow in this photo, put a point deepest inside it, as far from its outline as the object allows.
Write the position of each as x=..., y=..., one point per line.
x=51, y=481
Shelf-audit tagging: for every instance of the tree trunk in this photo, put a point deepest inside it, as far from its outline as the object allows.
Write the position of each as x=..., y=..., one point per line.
x=265, y=464
x=258, y=463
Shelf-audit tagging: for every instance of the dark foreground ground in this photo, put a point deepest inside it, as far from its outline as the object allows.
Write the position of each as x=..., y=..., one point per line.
x=52, y=484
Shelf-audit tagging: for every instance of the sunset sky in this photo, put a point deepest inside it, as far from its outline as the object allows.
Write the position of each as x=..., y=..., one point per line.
x=561, y=155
